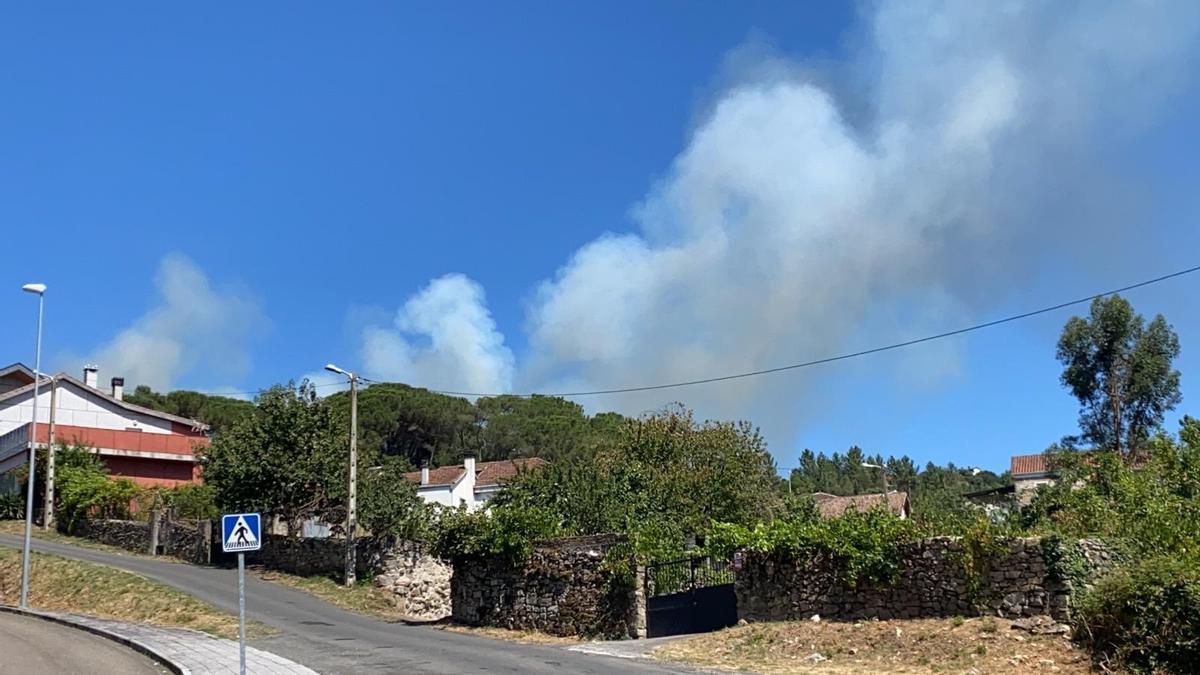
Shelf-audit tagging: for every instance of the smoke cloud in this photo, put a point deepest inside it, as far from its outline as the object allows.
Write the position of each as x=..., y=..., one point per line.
x=930, y=171
x=443, y=334
x=194, y=326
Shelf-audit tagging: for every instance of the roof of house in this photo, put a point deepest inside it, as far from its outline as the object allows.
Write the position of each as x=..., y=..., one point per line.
x=17, y=368
x=830, y=506
x=1027, y=464
x=63, y=377
x=487, y=474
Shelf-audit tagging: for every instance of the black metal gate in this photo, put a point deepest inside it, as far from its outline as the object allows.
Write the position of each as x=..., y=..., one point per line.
x=694, y=595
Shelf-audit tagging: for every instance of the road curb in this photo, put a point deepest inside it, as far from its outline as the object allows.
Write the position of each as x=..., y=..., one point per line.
x=136, y=645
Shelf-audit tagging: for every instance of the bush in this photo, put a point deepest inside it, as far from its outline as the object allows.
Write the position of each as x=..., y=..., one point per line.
x=1145, y=616
x=508, y=532
x=84, y=489
x=190, y=501
x=12, y=506
x=863, y=545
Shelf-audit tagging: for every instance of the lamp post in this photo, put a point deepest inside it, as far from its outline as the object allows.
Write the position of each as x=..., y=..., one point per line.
x=352, y=493
x=882, y=472
x=40, y=291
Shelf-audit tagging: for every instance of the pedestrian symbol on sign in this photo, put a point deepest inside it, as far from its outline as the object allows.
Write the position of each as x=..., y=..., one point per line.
x=240, y=532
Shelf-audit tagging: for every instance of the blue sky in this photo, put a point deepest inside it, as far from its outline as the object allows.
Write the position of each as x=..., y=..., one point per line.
x=318, y=166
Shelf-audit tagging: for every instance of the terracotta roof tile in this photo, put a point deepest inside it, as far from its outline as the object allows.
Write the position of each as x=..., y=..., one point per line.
x=487, y=474
x=1023, y=464
x=493, y=473
x=830, y=506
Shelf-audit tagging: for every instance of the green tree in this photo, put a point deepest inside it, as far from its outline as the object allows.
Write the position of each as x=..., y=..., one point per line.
x=286, y=459
x=1120, y=369
x=388, y=505
x=219, y=412
x=667, y=477
x=412, y=423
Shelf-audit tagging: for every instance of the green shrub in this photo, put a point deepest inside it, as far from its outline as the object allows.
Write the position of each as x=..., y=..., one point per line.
x=1145, y=616
x=863, y=545
x=12, y=506
x=508, y=532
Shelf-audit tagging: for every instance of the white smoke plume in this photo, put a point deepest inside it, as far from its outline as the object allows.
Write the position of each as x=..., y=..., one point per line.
x=963, y=141
x=194, y=327
x=445, y=335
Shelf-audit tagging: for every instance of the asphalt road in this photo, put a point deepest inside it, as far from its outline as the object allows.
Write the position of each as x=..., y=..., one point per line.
x=31, y=645
x=332, y=640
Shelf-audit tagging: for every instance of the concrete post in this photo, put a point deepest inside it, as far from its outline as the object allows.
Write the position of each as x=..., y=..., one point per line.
x=154, y=517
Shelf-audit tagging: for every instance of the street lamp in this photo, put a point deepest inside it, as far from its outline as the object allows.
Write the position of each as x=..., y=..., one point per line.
x=40, y=291
x=882, y=472
x=351, y=497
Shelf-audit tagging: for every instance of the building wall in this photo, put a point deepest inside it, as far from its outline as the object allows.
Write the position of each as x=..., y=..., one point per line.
x=152, y=472
x=75, y=407
x=1024, y=488
x=460, y=493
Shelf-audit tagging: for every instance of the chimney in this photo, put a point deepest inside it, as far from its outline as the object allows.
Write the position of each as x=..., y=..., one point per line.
x=468, y=479
x=425, y=472
x=469, y=466
x=118, y=388
x=91, y=376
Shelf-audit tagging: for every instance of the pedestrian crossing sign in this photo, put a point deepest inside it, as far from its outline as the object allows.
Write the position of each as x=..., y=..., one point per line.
x=241, y=532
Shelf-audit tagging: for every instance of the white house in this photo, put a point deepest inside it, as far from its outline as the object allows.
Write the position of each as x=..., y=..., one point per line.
x=472, y=485
x=149, y=447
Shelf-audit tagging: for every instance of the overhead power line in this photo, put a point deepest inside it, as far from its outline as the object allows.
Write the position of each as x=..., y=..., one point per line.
x=852, y=355
x=804, y=364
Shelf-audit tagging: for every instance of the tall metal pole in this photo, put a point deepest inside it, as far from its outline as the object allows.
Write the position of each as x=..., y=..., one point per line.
x=48, y=500
x=37, y=378
x=242, y=613
x=352, y=497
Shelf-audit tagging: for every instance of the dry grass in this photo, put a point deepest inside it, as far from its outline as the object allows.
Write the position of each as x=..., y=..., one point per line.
x=364, y=597
x=62, y=585
x=528, y=637
x=983, y=645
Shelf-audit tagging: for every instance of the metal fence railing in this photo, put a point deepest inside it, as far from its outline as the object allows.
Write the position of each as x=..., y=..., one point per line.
x=688, y=574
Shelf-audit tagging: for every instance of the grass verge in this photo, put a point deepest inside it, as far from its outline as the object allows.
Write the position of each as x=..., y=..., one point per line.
x=363, y=597
x=981, y=645
x=528, y=637
x=63, y=585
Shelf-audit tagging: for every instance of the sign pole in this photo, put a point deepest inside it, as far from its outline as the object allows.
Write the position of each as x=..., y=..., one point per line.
x=241, y=532
x=242, y=613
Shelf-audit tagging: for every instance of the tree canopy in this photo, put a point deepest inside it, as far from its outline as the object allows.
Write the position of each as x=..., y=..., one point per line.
x=416, y=424
x=218, y=412
x=1121, y=370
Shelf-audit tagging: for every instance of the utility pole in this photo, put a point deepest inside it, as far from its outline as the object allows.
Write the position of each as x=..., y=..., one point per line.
x=48, y=513
x=352, y=492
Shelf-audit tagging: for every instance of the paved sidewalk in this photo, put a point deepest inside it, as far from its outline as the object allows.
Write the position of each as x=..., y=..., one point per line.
x=194, y=652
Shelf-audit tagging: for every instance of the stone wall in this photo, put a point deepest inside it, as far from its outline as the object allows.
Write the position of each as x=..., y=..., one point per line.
x=1021, y=581
x=131, y=535
x=419, y=583
x=562, y=589
x=189, y=540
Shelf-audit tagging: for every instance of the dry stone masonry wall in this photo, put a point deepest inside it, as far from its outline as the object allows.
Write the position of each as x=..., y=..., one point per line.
x=564, y=588
x=419, y=583
x=1024, y=579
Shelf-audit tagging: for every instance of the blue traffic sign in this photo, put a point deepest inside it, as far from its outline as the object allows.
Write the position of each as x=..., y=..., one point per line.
x=241, y=532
